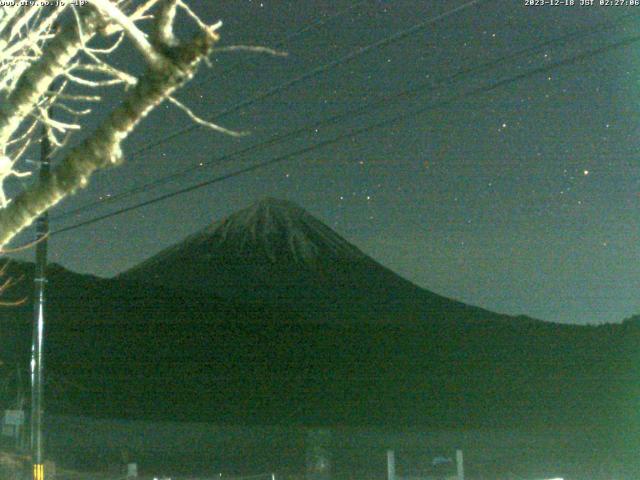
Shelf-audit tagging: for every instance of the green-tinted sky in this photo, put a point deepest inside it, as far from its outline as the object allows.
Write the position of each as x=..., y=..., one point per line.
x=522, y=199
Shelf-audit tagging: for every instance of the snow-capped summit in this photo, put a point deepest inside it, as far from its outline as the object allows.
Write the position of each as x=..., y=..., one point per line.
x=268, y=231
x=282, y=231
x=276, y=254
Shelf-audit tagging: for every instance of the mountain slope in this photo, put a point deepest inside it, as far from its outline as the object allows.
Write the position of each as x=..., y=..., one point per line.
x=277, y=255
x=125, y=349
x=270, y=317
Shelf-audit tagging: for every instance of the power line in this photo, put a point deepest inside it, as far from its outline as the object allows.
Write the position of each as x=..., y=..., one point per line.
x=356, y=132
x=297, y=33
x=380, y=103
x=321, y=21
x=312, y=73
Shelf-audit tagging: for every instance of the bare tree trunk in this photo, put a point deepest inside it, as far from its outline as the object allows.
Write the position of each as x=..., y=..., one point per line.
x=35, y=82
x=103, y=147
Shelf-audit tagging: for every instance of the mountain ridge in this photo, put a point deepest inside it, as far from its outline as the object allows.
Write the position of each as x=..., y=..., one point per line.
x=274, y=253
x=141, y=350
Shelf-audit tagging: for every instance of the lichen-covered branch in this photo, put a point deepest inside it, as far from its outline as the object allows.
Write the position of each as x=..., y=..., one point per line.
x=33, y=55
x=36, y=80
x=138, y=38
x=103, y=147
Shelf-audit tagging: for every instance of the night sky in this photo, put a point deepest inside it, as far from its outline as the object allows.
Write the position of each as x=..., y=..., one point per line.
x=522, y=199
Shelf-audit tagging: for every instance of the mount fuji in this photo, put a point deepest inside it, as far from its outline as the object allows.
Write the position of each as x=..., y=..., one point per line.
x=269, y=316
x=274, y=254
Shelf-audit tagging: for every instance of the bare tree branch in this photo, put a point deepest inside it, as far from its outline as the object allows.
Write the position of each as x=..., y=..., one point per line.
x=137, y=36
x=202, y=122
x=37, y=79
x=103, y=147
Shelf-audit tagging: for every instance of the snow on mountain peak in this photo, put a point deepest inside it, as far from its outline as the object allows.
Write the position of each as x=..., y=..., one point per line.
x=282, y=230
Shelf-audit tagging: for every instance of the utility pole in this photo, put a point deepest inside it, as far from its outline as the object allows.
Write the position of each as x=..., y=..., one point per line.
x=21, y=433
x=391, y=465
x=37, y=342
x=459, y=465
